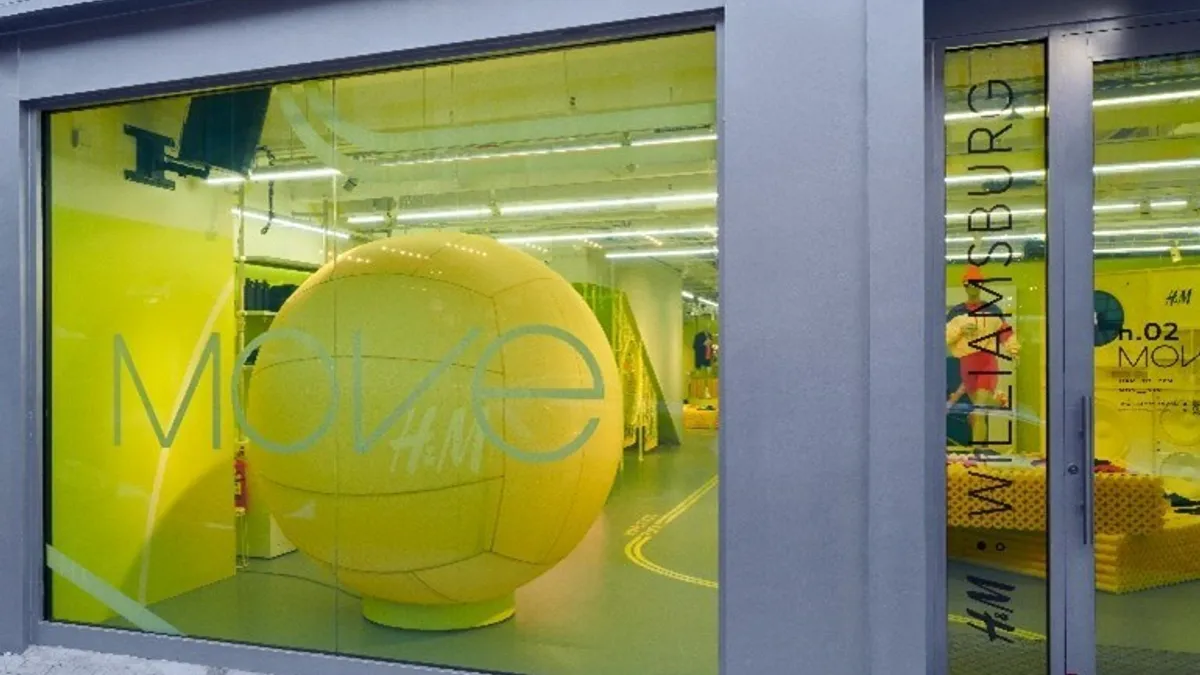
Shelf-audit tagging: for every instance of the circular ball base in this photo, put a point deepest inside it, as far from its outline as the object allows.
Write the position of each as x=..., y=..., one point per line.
x=439, y=617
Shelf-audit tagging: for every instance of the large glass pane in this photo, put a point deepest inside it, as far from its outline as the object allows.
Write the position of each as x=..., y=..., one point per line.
x=1147, y=487
x=995, y=356
x=419, y=365
x=154, y=523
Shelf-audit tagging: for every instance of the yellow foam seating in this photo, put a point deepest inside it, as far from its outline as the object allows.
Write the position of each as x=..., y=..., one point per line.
x=997, y=518
x=1124, y=562
x=995, y=497
x=694, y=418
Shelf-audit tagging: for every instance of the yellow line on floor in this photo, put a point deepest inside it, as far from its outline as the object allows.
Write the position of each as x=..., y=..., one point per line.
x=633, y=549
x=1019, y=632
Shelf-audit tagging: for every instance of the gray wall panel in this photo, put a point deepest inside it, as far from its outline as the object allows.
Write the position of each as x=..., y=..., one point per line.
x=230, y=37
x=10, y=8
x=954, y=18
x=803, y=189
x=16, y=492
x=904, y=493
x=18, y=15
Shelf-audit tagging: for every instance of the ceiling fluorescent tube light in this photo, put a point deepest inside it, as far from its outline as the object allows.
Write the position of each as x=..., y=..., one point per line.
x=673, y=253
x=448, y=214
x=1097, y=208
x=278, y=176
x=1148, y=231
x=1137, y=167
x=284, y=222
x=964, y=257
x=982, y=213
x=366, y=220
x=600, y=204
x=1119, y=206
x=998, y=113
x=616, y=234
x=673, y=140
x=689, y=296
x=980, y=176
x=1099, y=170
x=553, y=150
x=991, y=238
x=293, y=174
x=1098, y=103
x=708, y=302
x=1170, y=204
x=1146, y=98
x=530, y=152
x=225, y=180
x=1137, y=249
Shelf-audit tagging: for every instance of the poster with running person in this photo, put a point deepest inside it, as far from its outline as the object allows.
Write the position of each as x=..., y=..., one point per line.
x=981, y=374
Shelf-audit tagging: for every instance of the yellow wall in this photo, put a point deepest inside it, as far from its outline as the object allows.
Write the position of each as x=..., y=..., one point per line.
x=154, y=266
x=1030, y=322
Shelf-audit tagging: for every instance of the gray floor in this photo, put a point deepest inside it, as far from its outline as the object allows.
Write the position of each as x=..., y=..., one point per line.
x=1155, y=631
x=53, y=661
x=596, y=613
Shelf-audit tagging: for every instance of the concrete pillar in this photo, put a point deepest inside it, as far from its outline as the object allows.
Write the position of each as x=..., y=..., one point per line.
x=655, y=295
x=824, y=276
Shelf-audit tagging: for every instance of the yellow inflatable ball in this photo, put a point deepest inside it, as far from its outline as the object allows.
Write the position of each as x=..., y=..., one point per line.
x=437, y=418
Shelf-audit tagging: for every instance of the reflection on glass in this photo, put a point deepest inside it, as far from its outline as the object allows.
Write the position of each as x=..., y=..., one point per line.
x=418, y=365
x=995, y=356
x=1147, y=487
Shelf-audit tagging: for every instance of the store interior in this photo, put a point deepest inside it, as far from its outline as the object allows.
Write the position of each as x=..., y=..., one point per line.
x=1147, y=384
x=418, y=365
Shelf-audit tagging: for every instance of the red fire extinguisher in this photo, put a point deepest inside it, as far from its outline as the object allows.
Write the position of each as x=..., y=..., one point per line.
x=239, y=481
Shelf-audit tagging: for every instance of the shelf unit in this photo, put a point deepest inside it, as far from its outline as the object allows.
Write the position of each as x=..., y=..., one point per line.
x=258, y=533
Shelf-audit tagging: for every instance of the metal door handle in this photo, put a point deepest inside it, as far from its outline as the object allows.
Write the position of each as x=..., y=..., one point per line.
x=1089, y=469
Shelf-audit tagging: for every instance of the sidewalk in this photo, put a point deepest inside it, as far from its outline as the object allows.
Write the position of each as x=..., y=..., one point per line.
x=54, y=661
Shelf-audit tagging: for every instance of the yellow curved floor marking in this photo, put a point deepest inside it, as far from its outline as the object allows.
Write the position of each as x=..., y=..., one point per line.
x=633, y=550
x=1019, y=632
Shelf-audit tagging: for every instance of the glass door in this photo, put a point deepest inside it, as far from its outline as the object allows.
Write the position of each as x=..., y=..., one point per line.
x=1072, y=294
x=1146, y=371
x=996, y=366
x=1123, y=267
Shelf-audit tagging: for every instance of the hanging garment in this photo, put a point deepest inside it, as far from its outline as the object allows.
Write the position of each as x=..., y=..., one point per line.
x=701, y=347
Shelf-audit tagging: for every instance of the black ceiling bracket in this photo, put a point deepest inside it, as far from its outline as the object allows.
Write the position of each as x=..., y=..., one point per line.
x=153, y=163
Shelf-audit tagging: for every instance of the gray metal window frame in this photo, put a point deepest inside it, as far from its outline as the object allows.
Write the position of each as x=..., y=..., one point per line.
x=831, y=513
x=1072, y=49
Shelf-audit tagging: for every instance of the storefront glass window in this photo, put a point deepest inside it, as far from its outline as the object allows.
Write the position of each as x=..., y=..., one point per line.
x=995, y=358
x=419, y=365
